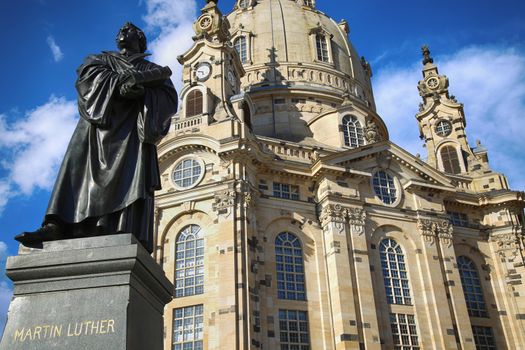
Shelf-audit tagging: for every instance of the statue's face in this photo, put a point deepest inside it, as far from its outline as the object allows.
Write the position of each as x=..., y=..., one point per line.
x=128, y=38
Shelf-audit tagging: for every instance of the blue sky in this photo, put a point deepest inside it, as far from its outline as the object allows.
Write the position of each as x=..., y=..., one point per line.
x=479, y=45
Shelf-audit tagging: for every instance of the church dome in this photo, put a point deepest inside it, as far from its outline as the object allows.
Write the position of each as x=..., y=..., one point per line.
x=290, y=42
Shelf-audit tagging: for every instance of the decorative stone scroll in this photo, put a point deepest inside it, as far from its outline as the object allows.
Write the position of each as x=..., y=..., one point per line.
x=507, y=241
x=356, y=219
x=444, y=232
x=372, y=132
x=224, y=202
x=338, y=216
x=432, y=229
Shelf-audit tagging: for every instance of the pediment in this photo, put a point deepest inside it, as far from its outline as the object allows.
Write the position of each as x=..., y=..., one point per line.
x=412, y=171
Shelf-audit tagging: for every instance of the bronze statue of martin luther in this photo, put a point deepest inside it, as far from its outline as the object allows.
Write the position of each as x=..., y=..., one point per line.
x=109, y=173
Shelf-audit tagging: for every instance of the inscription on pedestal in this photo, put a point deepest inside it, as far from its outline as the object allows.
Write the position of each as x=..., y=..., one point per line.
x=53, y=331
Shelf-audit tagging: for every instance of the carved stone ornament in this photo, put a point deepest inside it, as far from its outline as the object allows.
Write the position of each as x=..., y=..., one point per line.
x=444, y=232
x=224, y=201
x=506, y=241
x=212, y=23
x=371, y=132
x=356, y=219
x=431, y=229
x=426, y=228
x=337, y=216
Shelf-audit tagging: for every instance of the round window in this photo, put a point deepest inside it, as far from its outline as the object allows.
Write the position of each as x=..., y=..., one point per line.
x=188, y=172
x=443, y=128
x=385, y=187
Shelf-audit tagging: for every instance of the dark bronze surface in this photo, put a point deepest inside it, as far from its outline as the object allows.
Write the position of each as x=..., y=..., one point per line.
x=109, y=173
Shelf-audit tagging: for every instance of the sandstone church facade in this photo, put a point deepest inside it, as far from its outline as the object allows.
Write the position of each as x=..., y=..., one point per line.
x=289, y=220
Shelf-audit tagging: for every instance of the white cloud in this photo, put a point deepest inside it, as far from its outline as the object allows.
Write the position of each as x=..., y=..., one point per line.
x=32, y=147
x=172, y=21
x=55, y=49
x=490, y=81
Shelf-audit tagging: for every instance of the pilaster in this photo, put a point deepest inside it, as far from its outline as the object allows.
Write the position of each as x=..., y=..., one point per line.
x=508, y=283
x=363, y=279
x=340, y=281
x=434, y=234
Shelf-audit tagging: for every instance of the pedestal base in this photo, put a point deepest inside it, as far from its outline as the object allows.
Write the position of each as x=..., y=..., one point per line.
x=98, y=293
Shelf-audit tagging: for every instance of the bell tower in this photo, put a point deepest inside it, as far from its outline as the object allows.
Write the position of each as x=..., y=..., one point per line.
x=442, y=122
x=442, y=126
x=211, y=68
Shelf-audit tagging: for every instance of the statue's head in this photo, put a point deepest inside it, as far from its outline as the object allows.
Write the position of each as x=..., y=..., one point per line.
x=131, y=38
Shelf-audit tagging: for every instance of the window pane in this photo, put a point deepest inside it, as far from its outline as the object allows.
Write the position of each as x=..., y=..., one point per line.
x=471, y=282
x=395, y=275
x=187, y=327
x=384, y=187
x=293, y=327
x=449, y=157
x=404, y=331
x=353, y=132
x=189, y=271
x=290, y=275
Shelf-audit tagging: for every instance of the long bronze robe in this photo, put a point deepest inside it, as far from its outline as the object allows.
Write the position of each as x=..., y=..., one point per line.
x=109, y=173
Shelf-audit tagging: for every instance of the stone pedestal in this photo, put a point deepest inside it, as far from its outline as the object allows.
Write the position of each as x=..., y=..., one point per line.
x=98, y=293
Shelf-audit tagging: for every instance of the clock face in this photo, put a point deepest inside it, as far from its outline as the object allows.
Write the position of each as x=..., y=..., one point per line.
x=203, y=71
x=433, y=83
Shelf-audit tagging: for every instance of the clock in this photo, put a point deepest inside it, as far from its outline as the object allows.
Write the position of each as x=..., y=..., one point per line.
x=433, y=83
x=231, y=78
x=203, y=71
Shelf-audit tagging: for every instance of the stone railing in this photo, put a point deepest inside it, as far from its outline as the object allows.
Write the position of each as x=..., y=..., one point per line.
x=179, y=125
x=288, y=151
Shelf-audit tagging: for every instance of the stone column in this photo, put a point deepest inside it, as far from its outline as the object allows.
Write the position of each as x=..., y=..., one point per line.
x=102, y=292
x=363, y=279
x=338, y=258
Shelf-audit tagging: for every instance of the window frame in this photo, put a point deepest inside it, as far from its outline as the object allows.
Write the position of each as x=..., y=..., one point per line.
x=242, y=38
x=397, y=187
x=399, y=273
x=321, y=31
x=183, y=330
x=293, y=192
x=457, y=155
x=187, y=101
x=198, y=180
x=485, y=336
x=410, y=330
x=198, y=239
x=438, y=128
x=473, y=293
x=301, y=329
x=349, y=121
x=290, y=267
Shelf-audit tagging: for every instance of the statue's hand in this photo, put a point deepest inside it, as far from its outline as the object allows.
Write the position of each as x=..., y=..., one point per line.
x=131, y=90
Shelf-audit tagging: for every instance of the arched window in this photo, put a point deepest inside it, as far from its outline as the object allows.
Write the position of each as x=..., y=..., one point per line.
x=353, y=132
x=194, y=103
x=322, y=48
x=394, y=272
x=290, y=269
x=242, y=48
x=189, y=262
x=450, y=159
x=472, y=287
x=385, y=187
